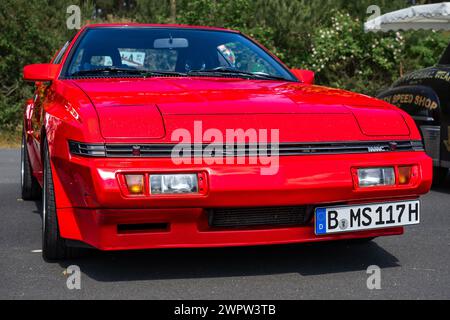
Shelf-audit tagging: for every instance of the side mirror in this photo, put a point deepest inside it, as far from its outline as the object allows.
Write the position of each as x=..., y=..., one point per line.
x=41, y=72
x=305, y=76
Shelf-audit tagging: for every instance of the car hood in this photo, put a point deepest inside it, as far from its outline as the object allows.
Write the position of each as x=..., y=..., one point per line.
x=151, y=109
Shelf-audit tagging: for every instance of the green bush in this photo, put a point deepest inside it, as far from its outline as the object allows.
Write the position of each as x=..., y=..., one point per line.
x=423, y=49
x=31, y=32
x=325, y=36
x=344, y=56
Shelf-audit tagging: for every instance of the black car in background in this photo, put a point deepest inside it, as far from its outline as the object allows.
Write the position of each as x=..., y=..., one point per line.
x=425, y=95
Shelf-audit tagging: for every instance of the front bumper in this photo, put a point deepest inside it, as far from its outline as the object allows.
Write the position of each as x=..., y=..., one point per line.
x=187, y=229
x=91, y=206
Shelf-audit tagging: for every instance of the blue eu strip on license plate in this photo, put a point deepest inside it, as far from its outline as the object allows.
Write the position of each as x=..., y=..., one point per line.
x=363, y=217
x=321, y=221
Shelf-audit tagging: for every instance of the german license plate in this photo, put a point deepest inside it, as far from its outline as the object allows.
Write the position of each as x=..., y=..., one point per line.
x=340, y=219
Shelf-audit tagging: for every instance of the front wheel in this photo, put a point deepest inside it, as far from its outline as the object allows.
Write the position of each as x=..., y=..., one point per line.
x=53, y=246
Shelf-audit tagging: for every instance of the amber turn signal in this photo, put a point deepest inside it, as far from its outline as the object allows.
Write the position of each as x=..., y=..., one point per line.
x=405, y=175
x=135, y=183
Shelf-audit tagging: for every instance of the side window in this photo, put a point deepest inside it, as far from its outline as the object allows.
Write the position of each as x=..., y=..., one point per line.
x=61, y=53
x=236, y=55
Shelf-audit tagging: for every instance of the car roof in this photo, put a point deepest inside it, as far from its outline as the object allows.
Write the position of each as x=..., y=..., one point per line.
x=145, y=25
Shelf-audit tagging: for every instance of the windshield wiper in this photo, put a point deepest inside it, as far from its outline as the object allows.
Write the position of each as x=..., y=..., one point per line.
x=107, y=70
x=148, y=73
x=115, y=70
x=245, y=74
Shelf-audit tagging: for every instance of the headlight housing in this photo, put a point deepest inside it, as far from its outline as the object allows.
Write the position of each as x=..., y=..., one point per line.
x=146, y=184
x=376, y=177
x=173, y=184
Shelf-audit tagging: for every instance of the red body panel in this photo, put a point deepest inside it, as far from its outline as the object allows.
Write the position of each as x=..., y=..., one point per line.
x=89, y=198
x=187, y=230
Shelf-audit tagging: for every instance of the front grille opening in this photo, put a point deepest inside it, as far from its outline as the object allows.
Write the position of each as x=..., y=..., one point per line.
x=237, y=150
x=142, y=228
x=258, y=217
x=234, y=150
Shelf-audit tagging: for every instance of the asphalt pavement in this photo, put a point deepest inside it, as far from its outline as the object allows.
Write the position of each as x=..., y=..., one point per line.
x=413, y=266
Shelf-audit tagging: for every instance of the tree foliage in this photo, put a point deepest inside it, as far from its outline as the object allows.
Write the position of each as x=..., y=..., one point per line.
x=31, y=32
x=325, y=36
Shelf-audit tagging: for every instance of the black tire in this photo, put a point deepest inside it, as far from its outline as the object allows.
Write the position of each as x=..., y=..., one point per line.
x=31, y=190
x=439, y=175
x=54, y=247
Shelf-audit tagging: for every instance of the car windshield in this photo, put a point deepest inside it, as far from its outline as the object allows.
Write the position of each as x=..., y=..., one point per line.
x=113, y=52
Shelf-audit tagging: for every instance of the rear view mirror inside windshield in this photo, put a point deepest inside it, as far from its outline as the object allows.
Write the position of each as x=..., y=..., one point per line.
x=171, y=43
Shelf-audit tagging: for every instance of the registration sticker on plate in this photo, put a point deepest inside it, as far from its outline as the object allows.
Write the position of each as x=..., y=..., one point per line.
x=366, y=217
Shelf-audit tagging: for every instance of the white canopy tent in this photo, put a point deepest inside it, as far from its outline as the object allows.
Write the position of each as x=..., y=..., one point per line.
x=427, y=17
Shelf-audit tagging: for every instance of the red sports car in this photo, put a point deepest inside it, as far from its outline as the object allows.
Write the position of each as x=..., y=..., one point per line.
x=165, y=136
